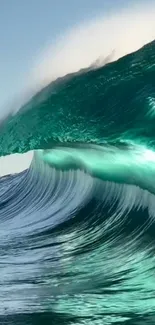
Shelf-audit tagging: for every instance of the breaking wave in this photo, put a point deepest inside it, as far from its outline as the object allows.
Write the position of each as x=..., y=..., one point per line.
x=77, y=226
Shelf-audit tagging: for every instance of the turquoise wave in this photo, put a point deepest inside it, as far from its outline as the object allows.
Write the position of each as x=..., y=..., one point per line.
x=101, y=120
x=75, y=249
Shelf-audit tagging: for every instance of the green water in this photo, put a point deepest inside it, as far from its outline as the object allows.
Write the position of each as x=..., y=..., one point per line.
x=112, y=104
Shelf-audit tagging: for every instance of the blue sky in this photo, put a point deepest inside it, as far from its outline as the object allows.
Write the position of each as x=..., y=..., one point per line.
x=26, y=27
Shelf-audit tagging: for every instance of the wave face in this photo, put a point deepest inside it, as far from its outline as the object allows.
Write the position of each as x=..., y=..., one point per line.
x=77, y=227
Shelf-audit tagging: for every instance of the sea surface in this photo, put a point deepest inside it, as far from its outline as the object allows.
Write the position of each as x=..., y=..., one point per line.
x=77, y=228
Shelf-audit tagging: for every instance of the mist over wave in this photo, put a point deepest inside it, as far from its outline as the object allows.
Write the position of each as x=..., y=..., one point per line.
x=92, y=43
x=96, y=42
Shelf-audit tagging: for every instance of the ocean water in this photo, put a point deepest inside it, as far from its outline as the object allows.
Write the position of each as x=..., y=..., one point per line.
x=77, y=228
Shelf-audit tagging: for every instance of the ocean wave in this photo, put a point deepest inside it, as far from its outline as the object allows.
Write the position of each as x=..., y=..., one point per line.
x=109, y=104
x=77, y=226
x=72, y=244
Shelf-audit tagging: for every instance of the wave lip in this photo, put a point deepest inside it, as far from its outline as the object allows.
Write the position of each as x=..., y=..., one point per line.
x=129, y=165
